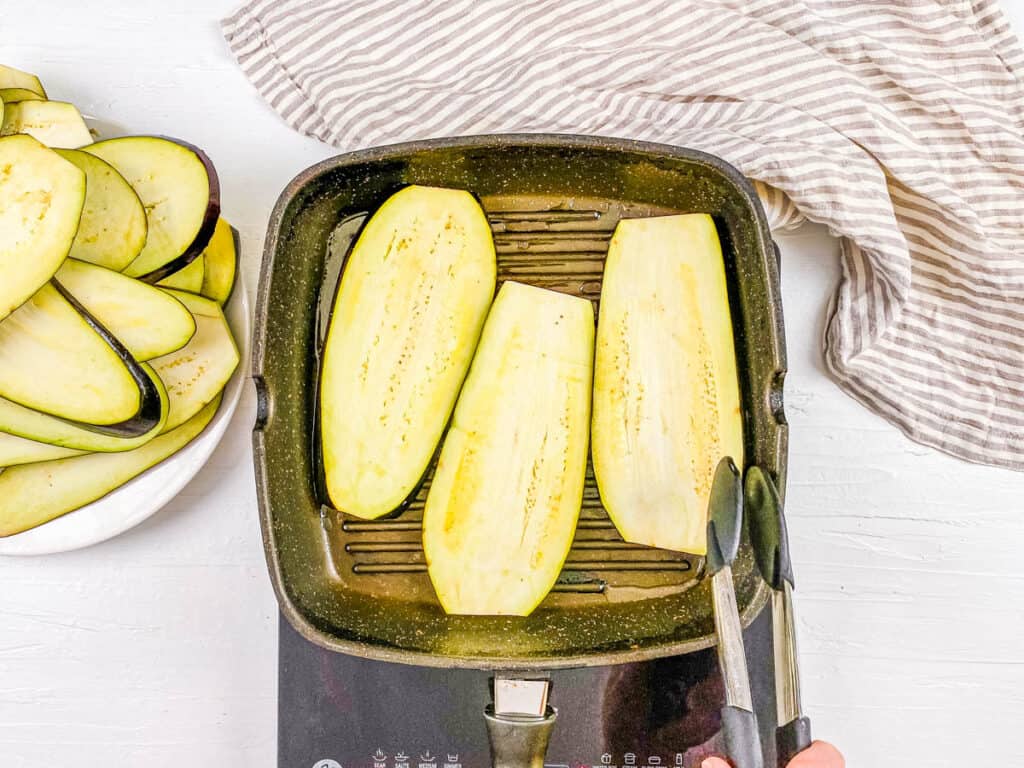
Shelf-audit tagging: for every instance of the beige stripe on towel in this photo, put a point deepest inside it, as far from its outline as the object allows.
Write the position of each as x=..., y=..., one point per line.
x=900, y=125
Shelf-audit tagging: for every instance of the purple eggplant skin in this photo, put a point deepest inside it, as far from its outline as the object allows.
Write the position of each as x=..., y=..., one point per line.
x=148, y=415
x=205, y=232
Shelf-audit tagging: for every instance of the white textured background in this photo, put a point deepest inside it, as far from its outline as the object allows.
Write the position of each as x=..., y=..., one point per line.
x=159, y=648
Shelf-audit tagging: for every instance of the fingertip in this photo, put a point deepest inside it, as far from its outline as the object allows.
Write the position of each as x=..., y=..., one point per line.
x=820, y=754
x=714, y=762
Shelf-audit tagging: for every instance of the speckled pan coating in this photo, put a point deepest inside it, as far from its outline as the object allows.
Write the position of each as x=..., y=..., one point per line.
x=553, y=201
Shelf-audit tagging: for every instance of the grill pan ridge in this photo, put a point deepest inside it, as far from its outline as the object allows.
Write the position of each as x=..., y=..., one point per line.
x=361, y=587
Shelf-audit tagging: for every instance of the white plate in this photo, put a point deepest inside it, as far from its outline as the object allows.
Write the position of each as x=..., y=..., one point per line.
x=143, y=496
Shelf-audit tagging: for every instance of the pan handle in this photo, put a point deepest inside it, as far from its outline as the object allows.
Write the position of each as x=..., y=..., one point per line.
x=519, y=741
x=520, y=721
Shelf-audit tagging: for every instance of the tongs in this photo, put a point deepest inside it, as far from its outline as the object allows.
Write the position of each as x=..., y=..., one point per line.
x=759, y=500
x=725, y=527
x=768, y=535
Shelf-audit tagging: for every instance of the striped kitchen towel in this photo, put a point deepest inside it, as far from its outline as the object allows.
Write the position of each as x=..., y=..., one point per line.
x=898, y=123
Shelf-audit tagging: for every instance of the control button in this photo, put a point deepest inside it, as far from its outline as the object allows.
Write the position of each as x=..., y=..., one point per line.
x=452, y=760
x=606, y=759
x=379, y=758
x=427, y=760
x=654, y=760
x=679, y=758
x=401, y=760
x=629, y=758
x=326, y=764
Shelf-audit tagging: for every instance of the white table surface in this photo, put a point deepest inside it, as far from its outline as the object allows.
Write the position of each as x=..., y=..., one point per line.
x=159, y=648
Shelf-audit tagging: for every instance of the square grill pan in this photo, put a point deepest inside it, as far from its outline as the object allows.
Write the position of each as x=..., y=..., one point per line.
x=361, y=587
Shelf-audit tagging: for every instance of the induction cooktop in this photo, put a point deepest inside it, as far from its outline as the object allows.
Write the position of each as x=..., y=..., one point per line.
x=341, y=711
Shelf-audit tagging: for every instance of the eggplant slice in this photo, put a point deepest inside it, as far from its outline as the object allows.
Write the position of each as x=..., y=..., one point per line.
x=54, y=123
x=16, y=450
x=197, y=373
x=41, y=199
x=90, y=379
x=220, y=261
x=15, y=78
x=149, y=322
x=33, y=494
x=13, y=95
x=180, y=192
x=24, y=422
x=189, y=279
x=112, y=230
x=666, y=392
x=502, y=507
x=412, y=301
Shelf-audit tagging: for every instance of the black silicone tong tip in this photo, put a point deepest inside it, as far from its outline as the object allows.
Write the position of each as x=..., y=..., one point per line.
x=725, y=516
x=767, y=525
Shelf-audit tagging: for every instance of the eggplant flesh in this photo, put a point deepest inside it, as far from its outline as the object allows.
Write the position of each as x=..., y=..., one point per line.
x=41, y=199
x=33, y=494
x=503, y=505
x=112, y=229
x=407, y=316
x=666, y=395
x=54, y=123
x=220, y=260
x=195, y=374
x=188, y=279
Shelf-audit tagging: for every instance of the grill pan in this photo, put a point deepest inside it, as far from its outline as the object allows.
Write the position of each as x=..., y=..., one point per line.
x=361, y=587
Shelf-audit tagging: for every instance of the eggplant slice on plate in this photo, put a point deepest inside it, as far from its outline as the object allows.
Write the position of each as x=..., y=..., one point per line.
x=18, y=421
x=54, y=123
x=34, y=494
x=148, y=321
x=179, y=189
x=220, y=263
x=112, y=230
x=41, y=199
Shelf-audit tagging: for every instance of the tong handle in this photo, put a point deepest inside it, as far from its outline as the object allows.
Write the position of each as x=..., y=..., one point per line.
x=791, y=739
x=742, y=738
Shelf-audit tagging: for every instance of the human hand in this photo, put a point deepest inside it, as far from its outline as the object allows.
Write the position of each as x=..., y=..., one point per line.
x=819, y=755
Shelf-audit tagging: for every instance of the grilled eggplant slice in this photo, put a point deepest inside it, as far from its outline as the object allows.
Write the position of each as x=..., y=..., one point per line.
x=33, y=494
x=41, y=199
x=221, y=262
x=179, y=189
x=15, y=78
x=505, y=498
x=196, y=373
x=112, y=230
x=149, y=322
x=11, y=95
x=666, y=394
x=406, y=319
x=54, y=123
x=17, y=420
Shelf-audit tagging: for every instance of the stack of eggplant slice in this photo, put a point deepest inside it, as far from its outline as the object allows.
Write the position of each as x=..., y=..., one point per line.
x=114, y=266
x=417, y=354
